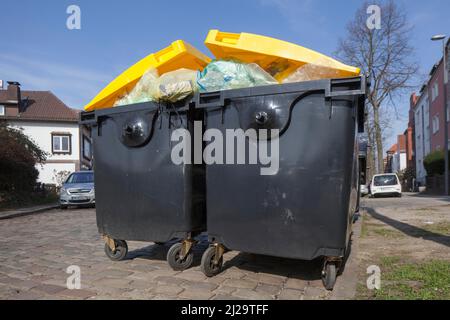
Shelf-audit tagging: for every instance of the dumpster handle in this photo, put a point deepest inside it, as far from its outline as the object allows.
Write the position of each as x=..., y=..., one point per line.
x=360, y=82
x=210, y=99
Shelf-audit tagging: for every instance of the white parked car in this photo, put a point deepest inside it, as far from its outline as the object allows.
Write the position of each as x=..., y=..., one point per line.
x=385, y=184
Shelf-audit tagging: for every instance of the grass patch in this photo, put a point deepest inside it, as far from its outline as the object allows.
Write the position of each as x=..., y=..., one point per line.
x=371, y=228
x=442, y=228
x=410, y=281
x=387, y=233
x=364, y=225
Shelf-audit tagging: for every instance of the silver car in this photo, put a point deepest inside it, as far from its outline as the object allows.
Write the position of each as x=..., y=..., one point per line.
x=78, y=190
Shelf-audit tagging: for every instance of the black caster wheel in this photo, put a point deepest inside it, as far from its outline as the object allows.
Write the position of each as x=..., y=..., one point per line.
x=208, y=267
x=329, y=275
x=174, y=260
x=119, y=253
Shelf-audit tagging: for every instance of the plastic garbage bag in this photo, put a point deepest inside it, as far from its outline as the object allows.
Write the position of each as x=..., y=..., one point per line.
x=143, y=91
x=320, y=69
x=170, y=87
x=176, y=85
x=231, y=74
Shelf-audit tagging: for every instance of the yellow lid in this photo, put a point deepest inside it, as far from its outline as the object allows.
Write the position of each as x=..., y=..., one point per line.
x=279, y=58
x=178, y=55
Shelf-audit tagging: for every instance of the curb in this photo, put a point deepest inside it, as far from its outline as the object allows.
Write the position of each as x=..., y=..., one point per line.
x=26, y=212
x=346, y=284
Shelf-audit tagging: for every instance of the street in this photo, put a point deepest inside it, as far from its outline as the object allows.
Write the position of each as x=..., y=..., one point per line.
x=36, y=250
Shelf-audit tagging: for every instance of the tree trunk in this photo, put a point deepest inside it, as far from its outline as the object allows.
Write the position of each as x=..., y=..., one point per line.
x=370, y=155
x=378, y=139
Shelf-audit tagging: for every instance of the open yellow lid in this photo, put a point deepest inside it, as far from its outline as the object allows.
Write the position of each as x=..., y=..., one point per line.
x=277, y=57
x=178, y=55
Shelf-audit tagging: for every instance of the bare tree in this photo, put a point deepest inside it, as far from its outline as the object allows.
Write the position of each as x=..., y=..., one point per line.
x=385, y=54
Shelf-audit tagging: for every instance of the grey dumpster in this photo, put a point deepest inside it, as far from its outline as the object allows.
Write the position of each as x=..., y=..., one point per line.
x=140, y=193
x=304, y=209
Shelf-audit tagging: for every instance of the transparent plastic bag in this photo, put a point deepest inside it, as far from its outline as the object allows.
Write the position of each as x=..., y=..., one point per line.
x=176, y=85
x=231, y=74
x=170, y=87
x=143, y=91
x=320, y=69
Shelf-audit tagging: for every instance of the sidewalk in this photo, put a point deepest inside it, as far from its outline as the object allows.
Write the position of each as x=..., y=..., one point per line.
x=27, y=211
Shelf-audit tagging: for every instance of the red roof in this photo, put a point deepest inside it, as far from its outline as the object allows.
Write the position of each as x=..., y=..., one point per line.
x=393, y=149
x=41, y=105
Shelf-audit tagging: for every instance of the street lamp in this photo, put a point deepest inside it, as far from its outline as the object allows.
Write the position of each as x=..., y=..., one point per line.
x=442, y=37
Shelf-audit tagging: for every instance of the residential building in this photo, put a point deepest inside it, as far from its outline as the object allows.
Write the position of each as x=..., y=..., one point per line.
x=389, y=161
x=422, y=132
x=436, y=89
x=396, y=159
x=52, y=125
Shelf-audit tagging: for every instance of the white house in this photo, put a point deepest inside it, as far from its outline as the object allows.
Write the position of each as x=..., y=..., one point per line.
x=52, y=125
x=422, y=134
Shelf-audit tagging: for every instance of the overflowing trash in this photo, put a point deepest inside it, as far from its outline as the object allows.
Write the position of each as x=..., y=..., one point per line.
x=320, y=69
x=242, y=60
x=178, y=55
x=279, y=58
x=232, y=74
x=170, y=87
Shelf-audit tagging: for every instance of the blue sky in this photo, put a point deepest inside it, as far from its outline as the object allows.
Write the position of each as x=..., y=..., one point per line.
x=42, y=54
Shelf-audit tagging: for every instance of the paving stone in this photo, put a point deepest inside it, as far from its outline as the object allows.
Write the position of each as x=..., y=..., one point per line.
x=165, y=297
x=226, y=297
x=314, y=293
x=233, y=273
x=290, y=294
x=49, y=288
x=252, y=295
x=26, y=295
x=267, y=288
x=242, y=284
x=295, y=284
x=169, y=280
x=137, y=295
x=81, y=294
x=224, y=290
x=19, y=283
x=191, y=275
x=196, y=294
x=171, y=290
x=114, y=273
x=112, y=282
x=190, y=285
x=315, y=283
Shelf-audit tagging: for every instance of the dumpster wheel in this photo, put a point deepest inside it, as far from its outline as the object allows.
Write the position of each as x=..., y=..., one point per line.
x=329, y=275
x=119, y=252
x=211, y=264
x=176, y=260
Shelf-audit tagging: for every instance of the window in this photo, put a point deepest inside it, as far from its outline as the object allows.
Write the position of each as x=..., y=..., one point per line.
x=61, y=143
x=87, y=148
x=2, y=110
x=387, y=180
x=81, y=177
x=435, y=91
x=435, y=124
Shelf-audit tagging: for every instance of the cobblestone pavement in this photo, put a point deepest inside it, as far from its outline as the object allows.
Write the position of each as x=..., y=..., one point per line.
x=36, y=250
